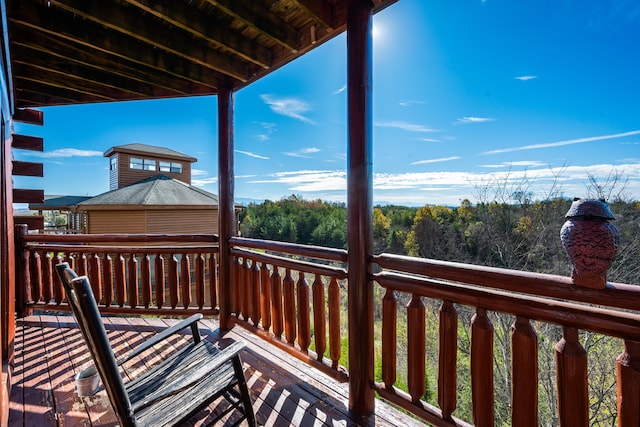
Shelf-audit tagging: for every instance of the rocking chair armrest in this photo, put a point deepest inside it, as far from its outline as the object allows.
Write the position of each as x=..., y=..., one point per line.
x=191, y=322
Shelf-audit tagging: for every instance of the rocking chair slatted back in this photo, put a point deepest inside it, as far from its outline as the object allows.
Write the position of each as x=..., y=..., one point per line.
x=176, y=388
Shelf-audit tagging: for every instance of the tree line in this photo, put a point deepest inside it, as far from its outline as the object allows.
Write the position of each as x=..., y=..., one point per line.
x=523, y=235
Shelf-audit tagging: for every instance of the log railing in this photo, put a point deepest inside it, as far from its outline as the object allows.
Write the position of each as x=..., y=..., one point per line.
x=134, y=274
x=291, y=295
x=527, y=297
x=294, y=296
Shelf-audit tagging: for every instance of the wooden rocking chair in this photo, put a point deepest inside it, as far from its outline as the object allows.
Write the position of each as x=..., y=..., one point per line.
x=175, y=389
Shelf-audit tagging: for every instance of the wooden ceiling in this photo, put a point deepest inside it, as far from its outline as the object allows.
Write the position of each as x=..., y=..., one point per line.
x=84, y=51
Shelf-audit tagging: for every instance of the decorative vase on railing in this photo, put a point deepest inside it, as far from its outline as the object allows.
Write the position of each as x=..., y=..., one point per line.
x=590, y=241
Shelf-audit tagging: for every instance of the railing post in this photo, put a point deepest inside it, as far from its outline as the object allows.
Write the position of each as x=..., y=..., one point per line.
x=628, y=383
x=226, y=211
x=360, y=207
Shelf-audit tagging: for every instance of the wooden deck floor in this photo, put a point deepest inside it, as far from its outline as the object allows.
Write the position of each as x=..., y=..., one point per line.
x=285, y=391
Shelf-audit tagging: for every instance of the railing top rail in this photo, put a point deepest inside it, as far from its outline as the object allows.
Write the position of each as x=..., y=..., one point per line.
x=567, y=313
x=615, y=295
x=120, y=238
x=123, y=248
x=310, y=251
x=310, y=267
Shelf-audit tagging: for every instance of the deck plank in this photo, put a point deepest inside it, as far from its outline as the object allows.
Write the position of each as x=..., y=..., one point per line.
x=285, y=391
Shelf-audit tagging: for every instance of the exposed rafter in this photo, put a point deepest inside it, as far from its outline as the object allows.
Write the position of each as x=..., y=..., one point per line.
x=78, y=51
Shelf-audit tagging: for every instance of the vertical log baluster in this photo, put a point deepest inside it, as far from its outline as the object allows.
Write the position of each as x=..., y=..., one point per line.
x=158, y=265
x=35, y=273
x=482, y=369
x=448, y=353
x=245, y=287
x=389, y=337
x=185, y=279
x=95, y=277
x=289, y=307
x=265, y=296
x=571, y=377
x=199, y=279
x=81, y=266
x=319, y=317
x=304, y=312
x=24, y=293
x=145, y=279
x=628, y=384
x=47, y=278
x=107, y=279
x=213, y=280
x=524, y=373
x=236, y=291
x=173, y=281
x=255, y=293
x=417, y=378
x=58, y=293
x=276, y=302
x=133, y=281
x=335, y=350
x=120, y=280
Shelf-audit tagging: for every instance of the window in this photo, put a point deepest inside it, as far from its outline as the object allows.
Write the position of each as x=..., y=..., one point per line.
x=172, y=167
x=113, y=165
x=142, y=164
x=135, y=163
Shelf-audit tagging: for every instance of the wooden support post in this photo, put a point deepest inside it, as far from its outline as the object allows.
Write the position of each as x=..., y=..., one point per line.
x=360, y=207
x=226, y=212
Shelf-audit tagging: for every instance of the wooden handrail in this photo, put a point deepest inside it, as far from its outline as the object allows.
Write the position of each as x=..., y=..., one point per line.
x=276, y=294
x=615, y=295
x=126, y=274
x=527, y=296
x=292, y=295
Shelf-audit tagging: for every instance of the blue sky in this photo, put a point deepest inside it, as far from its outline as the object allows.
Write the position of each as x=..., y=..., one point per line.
x=536, y=96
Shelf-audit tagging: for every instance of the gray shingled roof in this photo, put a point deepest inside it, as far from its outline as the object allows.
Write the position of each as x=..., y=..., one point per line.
x=52, y=202
x=159, y=190
x=149, y=149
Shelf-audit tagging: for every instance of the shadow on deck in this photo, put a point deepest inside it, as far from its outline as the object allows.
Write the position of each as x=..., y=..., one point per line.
x=285, y=391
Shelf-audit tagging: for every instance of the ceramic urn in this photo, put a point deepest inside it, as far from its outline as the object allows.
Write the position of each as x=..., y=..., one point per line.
x=590, y=240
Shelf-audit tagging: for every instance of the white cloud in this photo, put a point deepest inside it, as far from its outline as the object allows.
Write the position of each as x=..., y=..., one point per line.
x=67, y=152
x=442, y=159
x=342, y=89
x=204, y=181
x=269, y=128
x=523, y=163
x=290, y=107
x=450, y=187
x=429, y=140
x=303, y=152
x=410, y=127
x=525, y=78
x=566, y=142
x=199, y=172
x=407, y=103
x=466, y=120
x=250, y=154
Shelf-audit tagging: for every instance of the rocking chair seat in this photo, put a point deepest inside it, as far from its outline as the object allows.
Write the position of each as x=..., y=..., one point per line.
x=171, y=391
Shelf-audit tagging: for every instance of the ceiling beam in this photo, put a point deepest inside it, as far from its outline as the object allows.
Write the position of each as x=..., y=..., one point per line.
x=258, y=18
x=39, y=44
x=182, y=16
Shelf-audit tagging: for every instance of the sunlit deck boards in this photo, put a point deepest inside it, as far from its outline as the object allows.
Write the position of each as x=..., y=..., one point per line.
x=49, y=350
